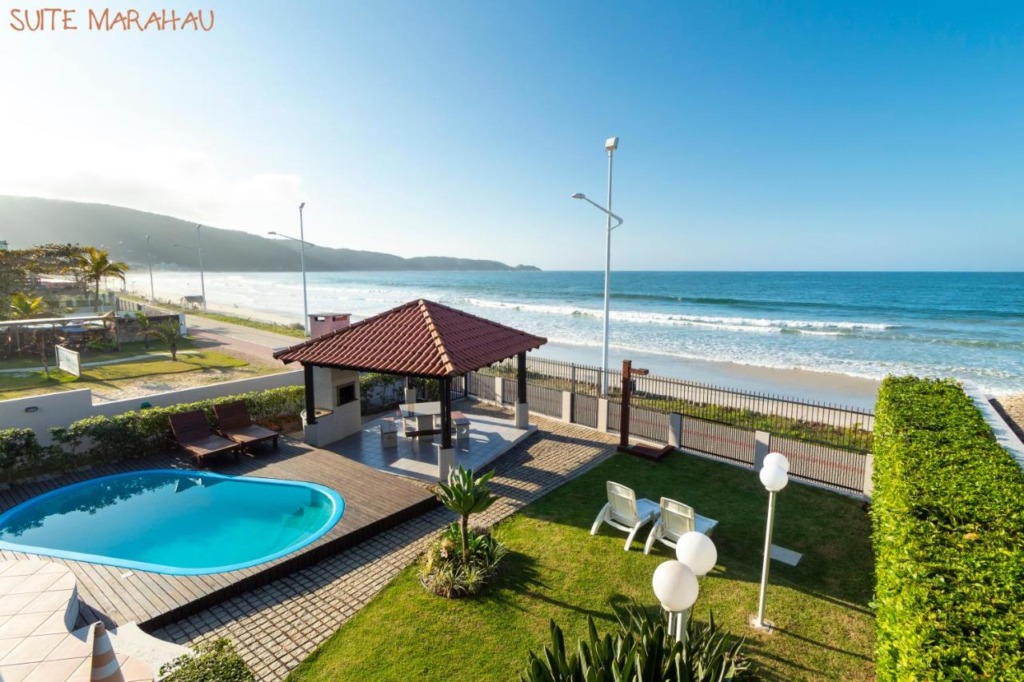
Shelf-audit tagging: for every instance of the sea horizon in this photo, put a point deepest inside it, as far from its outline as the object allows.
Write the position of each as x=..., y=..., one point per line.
x=842, y=331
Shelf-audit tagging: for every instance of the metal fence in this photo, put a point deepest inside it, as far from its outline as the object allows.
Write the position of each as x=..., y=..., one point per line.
x=833, y=425
x=546, y=401
x=481, y=386
x=584, y=410
x=719, y=440
x=826, y=444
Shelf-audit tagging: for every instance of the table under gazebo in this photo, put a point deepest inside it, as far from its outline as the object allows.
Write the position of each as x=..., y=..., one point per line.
x=418, y=340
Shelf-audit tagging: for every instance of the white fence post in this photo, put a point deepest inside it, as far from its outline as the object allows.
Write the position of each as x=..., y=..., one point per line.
x=567, y=407
x=762, y=446
x=675, y=429
x=498, y=385
x=869, y=469
x=602, y=415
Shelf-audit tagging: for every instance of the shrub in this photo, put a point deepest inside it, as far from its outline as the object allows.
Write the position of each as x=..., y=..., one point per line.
x=948, y=533
x=20, y=449
x=213, y=661
x=642, y=650
x=446, y=572
x=462, y=561
x=132, y=434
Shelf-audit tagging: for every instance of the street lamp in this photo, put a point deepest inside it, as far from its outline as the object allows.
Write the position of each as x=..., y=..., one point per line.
x=607, y=267
x=774, y=477
x=149, y=257
x=303, y=245
x=202, y=278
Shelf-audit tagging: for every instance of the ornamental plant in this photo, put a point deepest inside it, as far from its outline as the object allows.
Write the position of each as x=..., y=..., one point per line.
x=463, y=560
x=642, y=650
x=948, y=533
x=465, y=495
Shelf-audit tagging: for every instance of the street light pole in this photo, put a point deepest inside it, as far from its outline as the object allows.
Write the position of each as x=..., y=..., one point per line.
x=303, y=245
x=611, y=144
x=607, y=270
x=202, y=277
x=149, y=257
x=302, y=260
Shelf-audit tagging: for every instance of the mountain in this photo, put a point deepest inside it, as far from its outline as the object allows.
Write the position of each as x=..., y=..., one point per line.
x=26, y=222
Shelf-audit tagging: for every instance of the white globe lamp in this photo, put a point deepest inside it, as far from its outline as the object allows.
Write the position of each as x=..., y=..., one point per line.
x=776, y=459
x=697, y=551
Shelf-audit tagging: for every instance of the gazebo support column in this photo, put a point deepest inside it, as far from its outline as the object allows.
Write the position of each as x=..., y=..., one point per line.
x=522, y=407
x=307, y=375
x=446, y=454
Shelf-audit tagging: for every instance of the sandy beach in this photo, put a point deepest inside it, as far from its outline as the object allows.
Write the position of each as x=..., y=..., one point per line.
x=1013, y=406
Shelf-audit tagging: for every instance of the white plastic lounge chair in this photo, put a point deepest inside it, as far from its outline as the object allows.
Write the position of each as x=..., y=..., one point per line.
x=625, y=512
x=677, y=518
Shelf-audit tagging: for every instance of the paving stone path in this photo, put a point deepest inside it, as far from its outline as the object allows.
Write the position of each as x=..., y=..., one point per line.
x=276, y=626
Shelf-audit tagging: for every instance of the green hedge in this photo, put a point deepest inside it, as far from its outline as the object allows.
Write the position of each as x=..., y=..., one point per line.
x=948, y=533
x=132, y=434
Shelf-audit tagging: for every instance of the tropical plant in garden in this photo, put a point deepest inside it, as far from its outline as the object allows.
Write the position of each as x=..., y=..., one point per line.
x=95, y=265
x=642, y=650
x=463, y=560
x=466, y=495
x=168, y=332
x=24, y=306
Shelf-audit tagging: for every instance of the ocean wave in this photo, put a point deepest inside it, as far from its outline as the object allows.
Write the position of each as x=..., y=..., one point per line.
x=738, y=324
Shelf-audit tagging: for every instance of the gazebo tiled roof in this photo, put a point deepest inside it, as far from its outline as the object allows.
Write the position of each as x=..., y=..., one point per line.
x=419, y=338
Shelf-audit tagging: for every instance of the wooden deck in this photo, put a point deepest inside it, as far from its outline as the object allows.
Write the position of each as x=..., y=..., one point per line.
x=374, y=502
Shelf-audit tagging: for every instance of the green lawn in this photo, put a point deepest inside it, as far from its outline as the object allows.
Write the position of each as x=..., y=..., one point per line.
x=557, y=570
x=23, y=385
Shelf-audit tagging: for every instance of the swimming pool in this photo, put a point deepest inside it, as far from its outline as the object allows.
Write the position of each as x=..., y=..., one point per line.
x=171, y=521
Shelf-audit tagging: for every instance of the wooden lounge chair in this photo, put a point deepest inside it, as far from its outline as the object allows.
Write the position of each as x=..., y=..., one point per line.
x=194, y=436
x=234, y=421
x=625, y=512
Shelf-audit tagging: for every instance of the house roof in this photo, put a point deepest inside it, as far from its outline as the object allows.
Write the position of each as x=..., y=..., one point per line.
x=419, y=338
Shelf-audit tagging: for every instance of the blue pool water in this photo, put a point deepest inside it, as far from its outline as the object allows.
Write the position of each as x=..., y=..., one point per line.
x=176, y=522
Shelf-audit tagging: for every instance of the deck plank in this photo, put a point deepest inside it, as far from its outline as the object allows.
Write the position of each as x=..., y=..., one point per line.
x=374, y=501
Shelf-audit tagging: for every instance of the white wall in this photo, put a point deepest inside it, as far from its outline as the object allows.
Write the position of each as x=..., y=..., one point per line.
x=52, y=409
x=62, y=409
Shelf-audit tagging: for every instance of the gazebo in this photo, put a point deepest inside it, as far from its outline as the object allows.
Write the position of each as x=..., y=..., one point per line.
x=419, y=339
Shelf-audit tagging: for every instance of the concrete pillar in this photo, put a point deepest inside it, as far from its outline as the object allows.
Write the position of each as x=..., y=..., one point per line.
x=869, y=470
x=410, y=395
x=762, y=446
x=445, y=462
x=675, y=429
x=567, y=407
x=522, y=415
x=498, y=385
x=602, y=415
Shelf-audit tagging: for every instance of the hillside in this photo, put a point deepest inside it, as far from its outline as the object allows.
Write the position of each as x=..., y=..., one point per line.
x=25, y=222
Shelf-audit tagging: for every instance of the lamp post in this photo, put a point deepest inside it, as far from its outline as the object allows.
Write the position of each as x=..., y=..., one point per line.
x=302, y=261
x=149, y=257
x=202, y=278
x=774, y=477
x=675, y=586
x=303, y=245
x=607, y=270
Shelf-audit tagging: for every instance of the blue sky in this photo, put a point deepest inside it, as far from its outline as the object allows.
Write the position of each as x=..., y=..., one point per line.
x=754, y=135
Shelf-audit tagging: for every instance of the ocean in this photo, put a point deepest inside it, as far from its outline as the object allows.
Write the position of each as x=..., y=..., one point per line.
x=717, y=327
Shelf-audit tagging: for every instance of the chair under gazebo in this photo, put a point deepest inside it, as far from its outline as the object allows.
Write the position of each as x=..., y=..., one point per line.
x=419, y=339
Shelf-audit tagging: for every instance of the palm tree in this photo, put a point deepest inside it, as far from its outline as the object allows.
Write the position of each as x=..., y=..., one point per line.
x=465, y=495
x=169, y=333
x=24, y=307
x=96, y=265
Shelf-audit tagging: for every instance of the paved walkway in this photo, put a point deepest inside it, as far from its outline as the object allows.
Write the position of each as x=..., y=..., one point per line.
x=277, y=626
